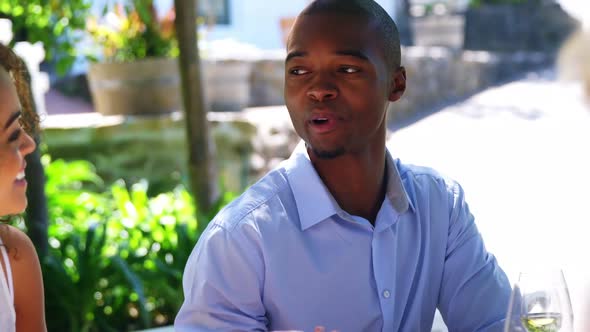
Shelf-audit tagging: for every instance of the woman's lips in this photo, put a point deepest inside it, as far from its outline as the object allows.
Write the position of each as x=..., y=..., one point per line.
x=20, y=177
x=20, y=183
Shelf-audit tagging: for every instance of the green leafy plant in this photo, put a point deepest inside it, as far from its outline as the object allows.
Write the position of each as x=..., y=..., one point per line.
x=132, y=30
x=478, y=3
x=116, y=255
x=56, y=23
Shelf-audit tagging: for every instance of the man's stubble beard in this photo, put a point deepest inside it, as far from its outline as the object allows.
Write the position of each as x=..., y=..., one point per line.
x=325, y=154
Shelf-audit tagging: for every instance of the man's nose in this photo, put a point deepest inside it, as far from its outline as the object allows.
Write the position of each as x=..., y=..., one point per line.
x=322, y=90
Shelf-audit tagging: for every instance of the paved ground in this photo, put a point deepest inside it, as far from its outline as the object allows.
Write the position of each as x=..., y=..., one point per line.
x=57, y=103
x=521, y=152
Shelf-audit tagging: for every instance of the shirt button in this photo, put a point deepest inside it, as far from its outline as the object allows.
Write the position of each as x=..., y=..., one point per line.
x=386, y=294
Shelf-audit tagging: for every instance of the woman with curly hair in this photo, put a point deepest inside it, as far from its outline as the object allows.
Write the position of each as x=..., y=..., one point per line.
x=21, y=286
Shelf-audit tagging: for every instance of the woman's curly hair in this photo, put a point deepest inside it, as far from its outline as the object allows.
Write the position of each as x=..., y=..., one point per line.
x=17, y=70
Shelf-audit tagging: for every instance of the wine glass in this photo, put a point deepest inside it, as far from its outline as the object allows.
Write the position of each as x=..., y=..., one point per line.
x=540, y=302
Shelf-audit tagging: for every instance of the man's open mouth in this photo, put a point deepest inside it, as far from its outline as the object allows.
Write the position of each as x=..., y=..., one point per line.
x=320, y=121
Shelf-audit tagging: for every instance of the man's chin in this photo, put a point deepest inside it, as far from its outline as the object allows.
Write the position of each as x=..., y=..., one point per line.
x=325, y=153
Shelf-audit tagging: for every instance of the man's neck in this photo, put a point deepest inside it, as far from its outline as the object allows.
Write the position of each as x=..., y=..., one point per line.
x=356, y=181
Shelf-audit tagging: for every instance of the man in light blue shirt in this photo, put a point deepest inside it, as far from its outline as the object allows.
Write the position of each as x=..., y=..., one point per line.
x=341, y=234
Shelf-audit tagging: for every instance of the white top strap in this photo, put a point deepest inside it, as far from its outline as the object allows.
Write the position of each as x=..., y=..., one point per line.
x=7, y=284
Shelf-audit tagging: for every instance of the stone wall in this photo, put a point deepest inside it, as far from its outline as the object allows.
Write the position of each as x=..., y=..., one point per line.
x=531, y=26
x=250, y=142
x=435, y=75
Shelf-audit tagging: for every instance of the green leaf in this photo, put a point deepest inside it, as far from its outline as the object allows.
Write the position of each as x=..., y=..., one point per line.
x=5, y=8
x=137, y=286
x=18, y=11
x=144, y=11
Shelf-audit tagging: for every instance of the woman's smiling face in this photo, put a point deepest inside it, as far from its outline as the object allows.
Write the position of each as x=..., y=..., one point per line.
x=15, y=144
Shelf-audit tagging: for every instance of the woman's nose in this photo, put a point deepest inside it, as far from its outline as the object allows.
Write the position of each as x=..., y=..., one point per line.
x=28, y=145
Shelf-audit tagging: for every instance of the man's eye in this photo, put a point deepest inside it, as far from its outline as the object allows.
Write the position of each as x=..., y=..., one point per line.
x=14, y=136
x=349, y=70
x=298, y=71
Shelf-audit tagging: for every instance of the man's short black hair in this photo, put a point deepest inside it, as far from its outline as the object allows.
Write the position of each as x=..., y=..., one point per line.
x=371, y=10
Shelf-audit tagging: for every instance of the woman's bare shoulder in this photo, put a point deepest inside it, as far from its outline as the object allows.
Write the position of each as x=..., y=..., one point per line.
x=28, y=281
x=19, y=245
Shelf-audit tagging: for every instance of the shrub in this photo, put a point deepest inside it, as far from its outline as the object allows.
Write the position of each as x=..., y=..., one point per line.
x=116, y=255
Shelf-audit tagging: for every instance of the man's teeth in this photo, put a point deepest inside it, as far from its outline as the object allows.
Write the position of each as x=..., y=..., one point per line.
x=20, y=176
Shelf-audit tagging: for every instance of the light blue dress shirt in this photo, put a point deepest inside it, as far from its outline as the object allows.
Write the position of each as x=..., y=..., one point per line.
x=285, y=256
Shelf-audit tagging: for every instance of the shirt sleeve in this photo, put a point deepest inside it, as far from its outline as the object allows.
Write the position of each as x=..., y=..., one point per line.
x=475, y=291
x=223, y=282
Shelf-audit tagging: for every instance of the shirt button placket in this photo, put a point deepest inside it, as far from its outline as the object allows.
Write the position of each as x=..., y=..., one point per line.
x=384, y=270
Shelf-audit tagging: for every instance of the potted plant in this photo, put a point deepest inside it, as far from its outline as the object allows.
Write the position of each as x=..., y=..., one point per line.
x=136, y=71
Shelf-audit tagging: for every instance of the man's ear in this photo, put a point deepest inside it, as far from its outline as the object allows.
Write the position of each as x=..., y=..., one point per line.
x=398, y=84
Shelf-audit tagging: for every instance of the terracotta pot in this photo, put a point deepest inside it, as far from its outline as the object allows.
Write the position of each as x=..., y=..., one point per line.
x=148, y=86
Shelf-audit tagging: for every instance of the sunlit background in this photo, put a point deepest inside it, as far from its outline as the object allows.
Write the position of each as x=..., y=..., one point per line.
x=486, y=105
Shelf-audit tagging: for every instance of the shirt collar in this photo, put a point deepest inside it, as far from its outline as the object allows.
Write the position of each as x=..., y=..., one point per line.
x=397, y=194
x=314, y=201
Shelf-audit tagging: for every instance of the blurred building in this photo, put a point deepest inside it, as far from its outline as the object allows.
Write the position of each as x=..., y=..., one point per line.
x=255, y=22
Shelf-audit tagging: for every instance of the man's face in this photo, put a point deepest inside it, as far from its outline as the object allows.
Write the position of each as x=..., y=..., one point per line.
x=337, y=84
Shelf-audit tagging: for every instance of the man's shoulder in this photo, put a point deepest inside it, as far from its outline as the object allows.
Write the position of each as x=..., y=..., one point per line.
x=426, y=177
x=256, y=197
x=411, y=172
